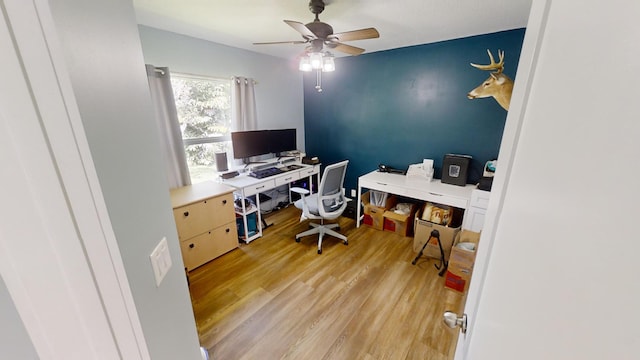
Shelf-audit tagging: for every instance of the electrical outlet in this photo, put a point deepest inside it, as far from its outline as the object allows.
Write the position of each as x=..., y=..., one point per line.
x=160, y=260
x=353, y=193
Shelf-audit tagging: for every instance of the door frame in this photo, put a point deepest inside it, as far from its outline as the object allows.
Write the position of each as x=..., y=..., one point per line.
x=58, y=250
x=522, y=86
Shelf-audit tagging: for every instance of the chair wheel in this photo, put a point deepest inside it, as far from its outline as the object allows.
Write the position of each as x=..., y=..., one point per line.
x=346, y=242
x=297, y=240
x=319, y=251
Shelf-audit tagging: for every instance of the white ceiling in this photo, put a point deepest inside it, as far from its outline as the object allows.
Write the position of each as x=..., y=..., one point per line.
x=401, y=23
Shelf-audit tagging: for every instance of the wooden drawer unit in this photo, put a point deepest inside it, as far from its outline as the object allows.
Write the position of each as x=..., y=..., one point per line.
x=199, y=249
x=205, y=221
x=196, y=218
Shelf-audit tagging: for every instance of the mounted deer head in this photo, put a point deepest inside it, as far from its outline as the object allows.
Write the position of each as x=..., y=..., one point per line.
x=497, y=85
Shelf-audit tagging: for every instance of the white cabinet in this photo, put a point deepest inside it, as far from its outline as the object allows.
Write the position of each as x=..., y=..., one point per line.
x=474, y=215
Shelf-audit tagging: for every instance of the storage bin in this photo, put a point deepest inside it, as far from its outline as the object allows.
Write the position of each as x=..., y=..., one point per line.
x=252, y=225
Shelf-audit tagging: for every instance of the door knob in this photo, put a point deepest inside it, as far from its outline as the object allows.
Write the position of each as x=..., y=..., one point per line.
x=452, y=320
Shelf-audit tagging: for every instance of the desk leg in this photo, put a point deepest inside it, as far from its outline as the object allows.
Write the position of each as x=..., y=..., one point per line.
x=244, y=220
x=259, y=216
x=358, y=207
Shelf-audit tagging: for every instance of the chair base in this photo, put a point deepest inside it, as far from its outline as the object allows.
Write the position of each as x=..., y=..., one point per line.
x=321, y=230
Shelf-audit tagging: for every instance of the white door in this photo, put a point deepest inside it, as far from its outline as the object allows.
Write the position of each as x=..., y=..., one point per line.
x=58, y=255
x=559, y=282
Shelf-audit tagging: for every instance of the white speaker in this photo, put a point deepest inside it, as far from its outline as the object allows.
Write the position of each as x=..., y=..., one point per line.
x=221, y=162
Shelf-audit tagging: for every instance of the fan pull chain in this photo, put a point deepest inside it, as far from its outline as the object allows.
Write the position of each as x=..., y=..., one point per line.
x=319, y=80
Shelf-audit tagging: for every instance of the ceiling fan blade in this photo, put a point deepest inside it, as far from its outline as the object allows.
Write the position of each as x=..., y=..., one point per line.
x=362, y=34
x=351, y=50
x=302, y=29
x=281, y=42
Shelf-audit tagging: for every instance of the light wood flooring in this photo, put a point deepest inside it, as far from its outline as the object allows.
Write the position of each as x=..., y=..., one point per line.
x=278, y=299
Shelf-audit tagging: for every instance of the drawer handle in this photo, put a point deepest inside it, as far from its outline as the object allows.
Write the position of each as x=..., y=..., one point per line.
x=191, y=246
x=383, y=184
x=260, y=187
x=435, y=194
x=186, y=213
x=227, y=230
x=224, y=202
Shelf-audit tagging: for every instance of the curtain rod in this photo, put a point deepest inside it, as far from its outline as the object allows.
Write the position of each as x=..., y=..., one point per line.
x=237, y=80
x=233, y=78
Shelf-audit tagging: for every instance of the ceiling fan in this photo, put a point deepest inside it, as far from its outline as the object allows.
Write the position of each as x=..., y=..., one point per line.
x=319, y=34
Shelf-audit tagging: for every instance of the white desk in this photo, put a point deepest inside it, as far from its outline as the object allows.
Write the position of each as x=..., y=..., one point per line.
x=246, y=186
x=434, y=191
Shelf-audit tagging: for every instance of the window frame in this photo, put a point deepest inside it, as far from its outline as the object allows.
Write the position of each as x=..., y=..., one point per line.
x=226, y=138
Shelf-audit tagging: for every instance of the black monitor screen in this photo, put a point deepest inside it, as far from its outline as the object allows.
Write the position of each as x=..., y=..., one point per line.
x=283, y=140
x=250, y=143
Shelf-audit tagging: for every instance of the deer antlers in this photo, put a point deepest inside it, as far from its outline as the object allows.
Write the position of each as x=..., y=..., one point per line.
x=498, y=85
x=493, y=66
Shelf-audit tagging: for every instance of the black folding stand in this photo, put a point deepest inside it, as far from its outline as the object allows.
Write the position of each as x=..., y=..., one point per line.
x=443, y=263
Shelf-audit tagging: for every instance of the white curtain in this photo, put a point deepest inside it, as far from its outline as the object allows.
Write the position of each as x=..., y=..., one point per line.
x=164, y=105
x=243, y=102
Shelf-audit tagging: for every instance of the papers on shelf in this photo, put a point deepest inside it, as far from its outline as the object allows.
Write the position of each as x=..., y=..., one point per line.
x=422, y=171
x=378, y=198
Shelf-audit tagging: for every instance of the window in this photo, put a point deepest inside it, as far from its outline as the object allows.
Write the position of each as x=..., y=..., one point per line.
x=204, y=113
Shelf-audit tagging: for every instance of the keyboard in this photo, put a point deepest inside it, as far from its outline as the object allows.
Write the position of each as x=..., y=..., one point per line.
x=263, y=173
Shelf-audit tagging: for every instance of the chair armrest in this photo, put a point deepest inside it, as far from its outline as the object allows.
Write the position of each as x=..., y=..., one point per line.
x=300, y=190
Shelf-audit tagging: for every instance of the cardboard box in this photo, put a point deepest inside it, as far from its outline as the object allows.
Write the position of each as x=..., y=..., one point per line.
x=461, y=262
x=423, y=229
x=374, y=215
x=401, y=224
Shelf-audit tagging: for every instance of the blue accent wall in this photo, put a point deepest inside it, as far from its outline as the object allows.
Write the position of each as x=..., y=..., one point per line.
x=400, y=106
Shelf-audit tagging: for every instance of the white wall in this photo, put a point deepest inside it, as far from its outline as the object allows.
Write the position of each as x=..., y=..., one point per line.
x=562, y=279
x=103, y=53
x=14, y=340
x=279, y=92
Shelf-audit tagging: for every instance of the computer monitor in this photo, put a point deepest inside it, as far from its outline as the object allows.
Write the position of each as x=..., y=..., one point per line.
x=250, y=143
x=283, y=140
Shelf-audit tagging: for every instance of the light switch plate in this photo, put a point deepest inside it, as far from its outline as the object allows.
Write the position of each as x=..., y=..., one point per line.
x=160, y=260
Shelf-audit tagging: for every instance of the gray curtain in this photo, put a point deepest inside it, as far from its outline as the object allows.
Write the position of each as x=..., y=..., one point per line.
x=164, y=105
x=243, y=102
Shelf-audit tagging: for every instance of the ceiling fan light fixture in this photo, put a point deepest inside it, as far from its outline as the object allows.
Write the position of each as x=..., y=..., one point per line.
x=316, y=60
x=328, y=64
x=305, y=64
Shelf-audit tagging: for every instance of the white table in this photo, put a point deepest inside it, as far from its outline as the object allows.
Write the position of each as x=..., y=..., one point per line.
x=398, y=184
x=246, y=186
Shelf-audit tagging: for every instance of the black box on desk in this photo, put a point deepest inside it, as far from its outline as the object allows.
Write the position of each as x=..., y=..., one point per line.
x=455, y=169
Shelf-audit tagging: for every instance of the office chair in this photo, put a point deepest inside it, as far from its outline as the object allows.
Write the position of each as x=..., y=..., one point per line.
x=327, y=204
